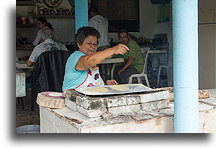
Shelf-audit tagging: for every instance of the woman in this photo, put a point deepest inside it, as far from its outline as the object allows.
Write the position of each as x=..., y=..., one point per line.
x=41, y=24
x=81, y=69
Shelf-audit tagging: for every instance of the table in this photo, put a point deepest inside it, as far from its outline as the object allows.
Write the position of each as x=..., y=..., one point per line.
x=20, y=83
x=145, y=49
x=112, y=61
x=23, y=66
x=23, y=71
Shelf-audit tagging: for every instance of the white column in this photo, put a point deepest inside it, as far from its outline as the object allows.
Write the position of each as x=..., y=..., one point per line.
x=185, y=46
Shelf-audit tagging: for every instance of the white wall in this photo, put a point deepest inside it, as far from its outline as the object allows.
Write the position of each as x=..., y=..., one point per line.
x=207, y=33
x=148, y=18
x=65, y=27
x=207, y=11
x=148, y=25
x=148, y=15
x=207, y=56
x=207, y=38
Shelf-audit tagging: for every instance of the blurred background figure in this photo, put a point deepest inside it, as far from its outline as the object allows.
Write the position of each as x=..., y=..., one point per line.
x=41, y=24
x=48, y=43
x=100, y=23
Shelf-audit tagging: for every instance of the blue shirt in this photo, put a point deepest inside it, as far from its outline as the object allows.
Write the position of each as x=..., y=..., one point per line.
x=72, y=77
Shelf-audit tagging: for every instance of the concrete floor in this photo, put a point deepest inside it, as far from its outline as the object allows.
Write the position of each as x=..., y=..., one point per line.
x=26, y=116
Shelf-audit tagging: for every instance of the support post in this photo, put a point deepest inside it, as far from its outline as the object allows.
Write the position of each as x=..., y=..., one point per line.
x=185, y=46
x=81, y=13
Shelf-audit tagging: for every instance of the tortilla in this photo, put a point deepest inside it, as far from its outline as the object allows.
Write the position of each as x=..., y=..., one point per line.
x=54, y=94
x=119, y=87
x=97, y=89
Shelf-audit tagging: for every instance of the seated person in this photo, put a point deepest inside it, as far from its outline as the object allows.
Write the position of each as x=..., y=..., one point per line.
x=47, y=44
x=134, y=61
x=81, y=69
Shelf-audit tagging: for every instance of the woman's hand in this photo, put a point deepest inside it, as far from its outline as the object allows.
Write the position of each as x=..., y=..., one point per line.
x=120, y=49
x=29, y=63
x=111, y=82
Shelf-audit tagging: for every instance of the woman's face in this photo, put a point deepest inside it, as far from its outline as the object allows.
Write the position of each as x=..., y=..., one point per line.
x=39, y=24
x=89, y=45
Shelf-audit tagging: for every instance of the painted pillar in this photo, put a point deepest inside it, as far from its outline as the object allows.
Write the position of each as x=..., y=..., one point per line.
x=81, y=13
x=185, y=57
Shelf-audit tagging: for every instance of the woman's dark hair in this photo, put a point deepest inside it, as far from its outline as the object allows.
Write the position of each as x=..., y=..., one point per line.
x=44, y=21
x=83, y=33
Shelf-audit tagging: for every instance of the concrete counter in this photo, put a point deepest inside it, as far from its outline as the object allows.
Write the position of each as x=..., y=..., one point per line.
x=53, y=121
x=66, y=120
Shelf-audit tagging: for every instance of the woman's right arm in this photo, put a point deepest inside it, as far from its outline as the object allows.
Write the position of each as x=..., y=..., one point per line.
x=37, y=39
x=88, y=61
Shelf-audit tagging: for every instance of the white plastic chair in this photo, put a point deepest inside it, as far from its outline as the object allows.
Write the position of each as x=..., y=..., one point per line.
x=159, y=72
x=143, y=74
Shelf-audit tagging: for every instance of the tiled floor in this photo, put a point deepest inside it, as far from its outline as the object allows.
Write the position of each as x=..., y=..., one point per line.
x=26, y=116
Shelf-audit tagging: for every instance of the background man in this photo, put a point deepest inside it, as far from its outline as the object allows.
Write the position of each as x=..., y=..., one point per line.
x=101, y=25
x=134, y=61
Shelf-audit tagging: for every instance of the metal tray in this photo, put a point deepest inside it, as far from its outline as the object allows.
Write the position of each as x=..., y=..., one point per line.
x=133, y=88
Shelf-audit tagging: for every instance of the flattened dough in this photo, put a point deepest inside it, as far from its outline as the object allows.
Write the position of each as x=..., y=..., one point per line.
x=97, y=89
x=55, y=94
x=120, y=87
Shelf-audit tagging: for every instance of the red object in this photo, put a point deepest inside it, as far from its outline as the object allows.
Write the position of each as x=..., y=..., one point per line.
x=90, y=85
x=89, y=72
x=25, y=58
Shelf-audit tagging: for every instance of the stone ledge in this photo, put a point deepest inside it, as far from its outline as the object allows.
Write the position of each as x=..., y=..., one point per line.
x=122, y=110
x=92, y=102
x=155, y=96
x=155, y=105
